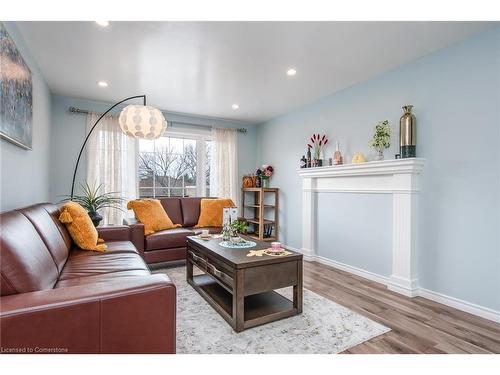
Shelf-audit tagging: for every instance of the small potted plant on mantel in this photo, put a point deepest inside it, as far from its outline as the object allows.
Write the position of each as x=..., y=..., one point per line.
x=381, y=139
x=93, y=201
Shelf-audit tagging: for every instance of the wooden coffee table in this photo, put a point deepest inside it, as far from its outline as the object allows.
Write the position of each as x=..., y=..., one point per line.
x=242, y=289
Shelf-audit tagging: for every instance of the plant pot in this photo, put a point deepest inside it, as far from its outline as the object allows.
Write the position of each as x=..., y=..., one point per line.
x=95, y=217
x=380, y=155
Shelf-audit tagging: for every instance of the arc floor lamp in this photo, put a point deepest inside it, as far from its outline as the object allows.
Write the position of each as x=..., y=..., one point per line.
x=137, y=121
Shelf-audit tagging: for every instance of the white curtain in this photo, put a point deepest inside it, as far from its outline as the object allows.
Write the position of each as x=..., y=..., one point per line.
x=112, y=163
x=224, y=174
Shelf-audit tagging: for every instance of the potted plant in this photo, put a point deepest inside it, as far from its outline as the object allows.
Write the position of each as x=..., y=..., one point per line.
x=317, y=145
x=231, y=232
x=239, y=226
x=93, y=201
x=381, y=139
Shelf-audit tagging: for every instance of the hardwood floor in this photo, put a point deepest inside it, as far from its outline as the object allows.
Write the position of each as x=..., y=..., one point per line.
x=417, y=325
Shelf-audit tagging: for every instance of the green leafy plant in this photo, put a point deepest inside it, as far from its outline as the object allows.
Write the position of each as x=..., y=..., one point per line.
x=92, y=200
x=382, y=137
x=239, y=226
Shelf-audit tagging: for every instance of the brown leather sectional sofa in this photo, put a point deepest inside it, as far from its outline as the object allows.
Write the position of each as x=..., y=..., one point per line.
x=169, y=245
x=56, y=298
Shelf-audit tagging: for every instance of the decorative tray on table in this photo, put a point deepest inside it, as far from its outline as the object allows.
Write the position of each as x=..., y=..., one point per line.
x=243, y=244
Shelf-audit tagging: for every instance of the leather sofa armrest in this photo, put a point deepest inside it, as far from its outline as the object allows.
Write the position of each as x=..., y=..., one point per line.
x=114, y=233
x=136, y=233
x=127, y=316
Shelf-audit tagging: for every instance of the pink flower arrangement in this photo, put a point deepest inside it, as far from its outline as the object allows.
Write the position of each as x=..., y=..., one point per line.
x=317, y=143
x=265, y=171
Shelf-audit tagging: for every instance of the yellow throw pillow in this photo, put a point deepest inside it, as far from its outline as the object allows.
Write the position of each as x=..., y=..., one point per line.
x=151, y=213
x=211, y=212
x=80, y=227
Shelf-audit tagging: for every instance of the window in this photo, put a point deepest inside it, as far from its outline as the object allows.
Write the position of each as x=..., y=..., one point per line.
x=175, y=165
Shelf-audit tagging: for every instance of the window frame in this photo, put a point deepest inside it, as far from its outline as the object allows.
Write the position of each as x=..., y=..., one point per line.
x=200, y=136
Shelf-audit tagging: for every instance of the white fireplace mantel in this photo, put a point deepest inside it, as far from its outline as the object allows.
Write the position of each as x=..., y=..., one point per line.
x=397, y=177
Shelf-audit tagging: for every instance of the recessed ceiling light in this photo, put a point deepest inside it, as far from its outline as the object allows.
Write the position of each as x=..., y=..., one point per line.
x=291, y=72
x=102, y=23
x=235, y=106
x=102, y=83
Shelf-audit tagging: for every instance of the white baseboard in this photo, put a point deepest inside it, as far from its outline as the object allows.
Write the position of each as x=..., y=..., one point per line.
x=471, y=308
x=459, y=304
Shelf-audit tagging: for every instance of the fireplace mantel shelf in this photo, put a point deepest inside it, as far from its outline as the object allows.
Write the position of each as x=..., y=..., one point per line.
x=400, y=178
x=384, y=167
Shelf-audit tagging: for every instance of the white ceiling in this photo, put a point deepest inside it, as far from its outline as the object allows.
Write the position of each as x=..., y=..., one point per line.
x=204, y=67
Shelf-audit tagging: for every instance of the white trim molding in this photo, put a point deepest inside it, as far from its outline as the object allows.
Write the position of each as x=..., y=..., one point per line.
x=471, y=308
x=401, y=179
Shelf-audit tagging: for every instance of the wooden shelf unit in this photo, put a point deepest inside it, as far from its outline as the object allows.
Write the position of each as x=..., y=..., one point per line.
x=259, y=210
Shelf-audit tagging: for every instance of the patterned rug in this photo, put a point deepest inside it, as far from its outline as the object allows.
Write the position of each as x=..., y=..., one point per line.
x=323, y=327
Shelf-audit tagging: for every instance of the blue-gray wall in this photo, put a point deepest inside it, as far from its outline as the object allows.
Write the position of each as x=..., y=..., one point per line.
x=24, y=177
x=69, y=133
x=456, y=94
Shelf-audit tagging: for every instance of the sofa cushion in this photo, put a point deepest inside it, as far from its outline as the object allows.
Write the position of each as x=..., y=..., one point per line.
x=80, y=227
x=104, y=277
x=85, y=263
x=212, y=212
x=173, y=209
x=151, y=213
x=26, y=263
x=44, y=217
x=190, y=211
x=168, y=239
x=120, y=247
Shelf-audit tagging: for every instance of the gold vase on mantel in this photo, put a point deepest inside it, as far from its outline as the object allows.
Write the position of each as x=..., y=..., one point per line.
x=408, y=133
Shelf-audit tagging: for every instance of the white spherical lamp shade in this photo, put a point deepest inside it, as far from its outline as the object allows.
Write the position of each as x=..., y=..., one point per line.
x=142, y=121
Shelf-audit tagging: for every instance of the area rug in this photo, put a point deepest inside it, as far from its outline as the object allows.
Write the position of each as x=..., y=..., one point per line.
x=323, y=327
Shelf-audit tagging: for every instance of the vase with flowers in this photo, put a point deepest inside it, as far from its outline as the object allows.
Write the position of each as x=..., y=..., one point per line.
x=381, y=139
x=318, y=144
x=264, y=173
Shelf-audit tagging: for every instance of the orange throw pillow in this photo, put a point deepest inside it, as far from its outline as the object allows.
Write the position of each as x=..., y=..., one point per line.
x=211, y=212
x=80, y=227
x=151, y=213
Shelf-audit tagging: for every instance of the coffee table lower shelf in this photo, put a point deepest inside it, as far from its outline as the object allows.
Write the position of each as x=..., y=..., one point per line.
x=258, y=308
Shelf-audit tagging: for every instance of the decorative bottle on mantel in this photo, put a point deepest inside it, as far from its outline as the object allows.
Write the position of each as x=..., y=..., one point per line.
x=303, y=162
x=309, y=158
x=337, y=156
x=408, y=134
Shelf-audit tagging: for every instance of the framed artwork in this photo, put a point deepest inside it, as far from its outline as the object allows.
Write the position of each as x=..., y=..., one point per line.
x=16, y=94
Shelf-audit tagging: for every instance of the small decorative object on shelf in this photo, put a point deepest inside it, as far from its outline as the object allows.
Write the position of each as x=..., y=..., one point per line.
x=303, y=162
x=248, y=181
x=358, y=158
x=265, y=172
x=309, y=157
x=317, y=144
x=408, y=133
x=337, y=156
x=381, y=139
x=258, y=181
x=268, y=230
